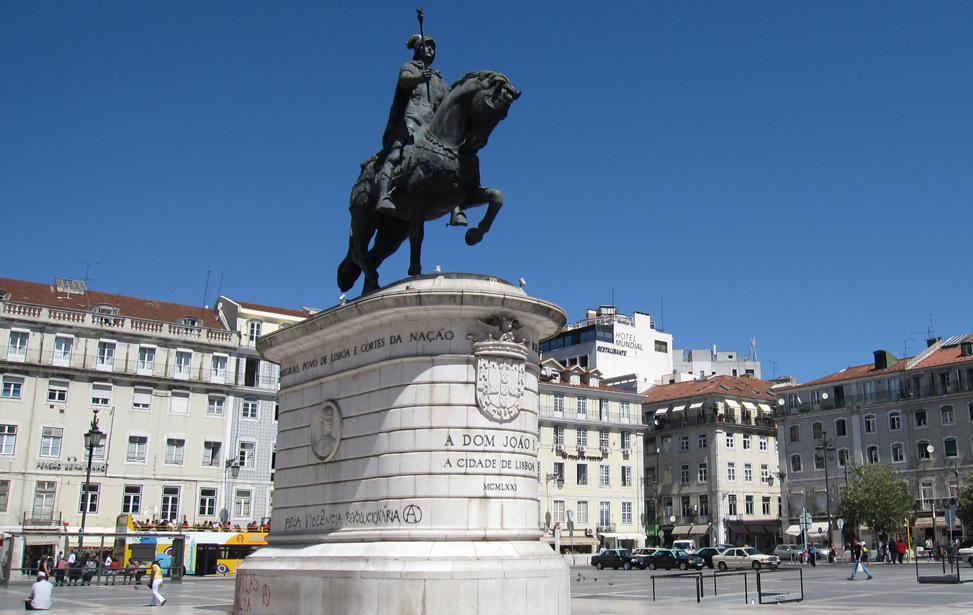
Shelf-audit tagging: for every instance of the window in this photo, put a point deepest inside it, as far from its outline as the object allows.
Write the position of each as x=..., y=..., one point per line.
x=748, y=504
x=100, y=394
x=870, y=423
x=666, y=507
x=949, y=447
x=136, y=449
x=254, y=332
x=558, y=471
x=763, y=444
x=8, y=439
x=702, y=474
x=844, y=457
x=63, y=346
x=132, y=499
x=795, y=433
x=582, y=473
x=746, y=441
x=921, y=419
x=626, y=476
x=604, y=475
x=582, y=513
x=207, y=502
x=661, y=346
x=17, y=349
x=683, y=444
x=704, y=505
x=97, y=451
x=895, y=421
x=666, y=444
x=841, y=428
x=731, y=471
x=685, y=508
x=898, y=453
x=44, y=500
x=817, y=430
x=730, y=440
x=871, y=454
x=214, y=406
x=251, y=372
x=603, y=442
x=250, y=406
x=241, y=503
x=105, y=361
x=582, y=407
x=701, y=441
x=51, y=442
x=603, y=410
x=748, y=473
x=764, y=474
x=604, y=513
x=170, y=503
x=57, y=391
x=922, y=449
x=765, y=505
x=13, y=387
x=684, y=474
x=947, y=415
x=218, y=373
x=625, y=411
x=247, y=452
x=4, y=495
x=731, y=504
x=558, y=511
x=796, y=463
x=89, y=497
x=184, y=361
x=626, y=440
x=667, y=475
x=179, y=402
x=175, y=450
x=141, y=399
x=818, y=460
x=558, y=404
x=582, y=438
x=626, y=513
x=146, y=361
x=558, y=435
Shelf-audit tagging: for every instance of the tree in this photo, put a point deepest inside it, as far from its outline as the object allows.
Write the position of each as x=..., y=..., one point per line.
x=876, y=496
x=965, y=502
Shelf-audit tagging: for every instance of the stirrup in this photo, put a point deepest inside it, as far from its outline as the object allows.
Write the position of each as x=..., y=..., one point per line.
x=458, y=218
x=385, y=204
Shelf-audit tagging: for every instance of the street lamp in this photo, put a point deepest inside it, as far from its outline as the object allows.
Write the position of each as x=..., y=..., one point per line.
x=93, y=438
x=828, y=453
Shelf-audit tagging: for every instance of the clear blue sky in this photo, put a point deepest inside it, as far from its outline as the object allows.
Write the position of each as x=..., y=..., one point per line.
x=798, y=172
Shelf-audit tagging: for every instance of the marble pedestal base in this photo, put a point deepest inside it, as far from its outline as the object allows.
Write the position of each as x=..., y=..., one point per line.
x=405, y=578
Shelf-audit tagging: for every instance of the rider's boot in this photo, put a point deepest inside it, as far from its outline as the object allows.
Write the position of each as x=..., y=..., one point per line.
x=384, y=203
x=457, y=218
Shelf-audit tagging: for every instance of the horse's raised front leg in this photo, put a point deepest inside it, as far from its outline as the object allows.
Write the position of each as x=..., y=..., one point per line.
x=494, y=200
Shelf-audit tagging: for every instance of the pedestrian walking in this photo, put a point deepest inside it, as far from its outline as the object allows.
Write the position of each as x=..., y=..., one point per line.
x=859, y=555
x=155, y=582
x=833, y=555
x=813, y=555
x=900, y=548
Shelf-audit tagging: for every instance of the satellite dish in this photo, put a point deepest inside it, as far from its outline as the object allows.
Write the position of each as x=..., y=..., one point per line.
x=824, y=396
x=781, y=402
x=672, y=519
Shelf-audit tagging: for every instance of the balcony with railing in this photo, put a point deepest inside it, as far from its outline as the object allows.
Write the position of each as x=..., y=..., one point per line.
x=547, y=410
x=45, y=518
x=881, y=397
x=107, y=323
x=680, y=420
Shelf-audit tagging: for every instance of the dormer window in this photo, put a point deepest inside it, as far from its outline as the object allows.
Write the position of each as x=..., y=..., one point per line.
x=966, y=348
x=106, y=309
x=189, y=321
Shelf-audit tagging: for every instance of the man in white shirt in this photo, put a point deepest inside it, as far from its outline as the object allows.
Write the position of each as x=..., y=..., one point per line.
x=39, y=598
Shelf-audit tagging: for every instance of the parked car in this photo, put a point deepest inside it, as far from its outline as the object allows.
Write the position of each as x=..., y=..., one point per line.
x=673, y=558
x=707, y=554
x=617, y=558
x=644, y=552
x=966, y=553
x=745, y=557
x=689, y=546
x=787, y=553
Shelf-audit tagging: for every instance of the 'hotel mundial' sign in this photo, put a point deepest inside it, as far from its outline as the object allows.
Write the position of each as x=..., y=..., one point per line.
x=500, y=369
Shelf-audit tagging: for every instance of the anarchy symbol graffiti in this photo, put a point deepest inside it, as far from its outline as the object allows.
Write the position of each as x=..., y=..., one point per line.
x=412, y=514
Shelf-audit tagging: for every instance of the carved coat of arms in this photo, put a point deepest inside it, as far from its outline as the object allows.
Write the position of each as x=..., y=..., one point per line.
x=500, y=372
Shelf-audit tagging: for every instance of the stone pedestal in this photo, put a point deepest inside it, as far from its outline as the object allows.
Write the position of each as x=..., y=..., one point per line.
x=407, y=472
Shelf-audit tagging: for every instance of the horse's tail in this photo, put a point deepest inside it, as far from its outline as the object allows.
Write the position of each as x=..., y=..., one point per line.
x=348, y=270
x=361, y=194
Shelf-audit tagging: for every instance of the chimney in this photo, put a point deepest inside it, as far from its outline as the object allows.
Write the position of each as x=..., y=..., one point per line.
x=884, y=359
x=932, y=341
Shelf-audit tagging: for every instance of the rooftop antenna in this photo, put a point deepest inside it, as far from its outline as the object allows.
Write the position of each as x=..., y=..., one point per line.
x=87, y=268
x=662, y=314
x=219, y=289
x=931, y=330
x=184, y=299
x=774, y=363
x=206, y=288
x=752, y=353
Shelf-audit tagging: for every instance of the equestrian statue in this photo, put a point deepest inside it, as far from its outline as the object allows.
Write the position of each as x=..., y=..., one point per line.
x=427, y=167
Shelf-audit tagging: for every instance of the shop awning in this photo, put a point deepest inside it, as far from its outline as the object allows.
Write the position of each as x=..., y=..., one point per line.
x=681, y=530
x=696, y=406
x=619, y=536
x=42, y=540
x=678, y=408
x=699, y=530
x=766, y=408
x=749, y=406
x=738, y=527
x=793, y=530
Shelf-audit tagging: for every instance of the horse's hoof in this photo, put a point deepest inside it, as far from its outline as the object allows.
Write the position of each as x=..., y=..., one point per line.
x=415, y=270
x=473, y=236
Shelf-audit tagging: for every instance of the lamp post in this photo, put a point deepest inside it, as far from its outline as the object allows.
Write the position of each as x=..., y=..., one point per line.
x=93, y=438
x=233, y=466
x=827, y=452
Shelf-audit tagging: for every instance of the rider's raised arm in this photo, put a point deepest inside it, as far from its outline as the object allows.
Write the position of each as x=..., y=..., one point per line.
x=411, y=75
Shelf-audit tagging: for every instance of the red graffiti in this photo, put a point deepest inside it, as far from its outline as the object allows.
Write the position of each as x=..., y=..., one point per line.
x=266, y=596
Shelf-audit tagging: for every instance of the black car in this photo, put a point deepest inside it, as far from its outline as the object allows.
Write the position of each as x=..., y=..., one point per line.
x=707, y=554
x=617, y=558
x=673, y=558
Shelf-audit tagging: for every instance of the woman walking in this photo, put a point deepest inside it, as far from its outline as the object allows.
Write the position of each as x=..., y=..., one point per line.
x=155, y=582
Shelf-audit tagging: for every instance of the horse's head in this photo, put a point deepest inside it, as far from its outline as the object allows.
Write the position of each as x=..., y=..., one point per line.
x=490, y=105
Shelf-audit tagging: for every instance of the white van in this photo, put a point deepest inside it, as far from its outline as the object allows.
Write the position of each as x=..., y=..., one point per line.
x=689, y=546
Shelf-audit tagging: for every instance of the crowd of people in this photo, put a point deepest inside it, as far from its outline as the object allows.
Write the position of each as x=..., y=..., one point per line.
x=75, y=569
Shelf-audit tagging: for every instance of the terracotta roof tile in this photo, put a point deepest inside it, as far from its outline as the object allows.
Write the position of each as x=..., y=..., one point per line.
x=47, y=295
x=731, y=386
x=273, y=310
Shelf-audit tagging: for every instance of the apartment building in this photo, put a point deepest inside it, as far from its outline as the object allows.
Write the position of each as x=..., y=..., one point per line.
x=711, y=462
x=589, y=457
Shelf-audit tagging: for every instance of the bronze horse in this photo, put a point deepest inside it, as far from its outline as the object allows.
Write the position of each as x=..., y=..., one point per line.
x=439, y=171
